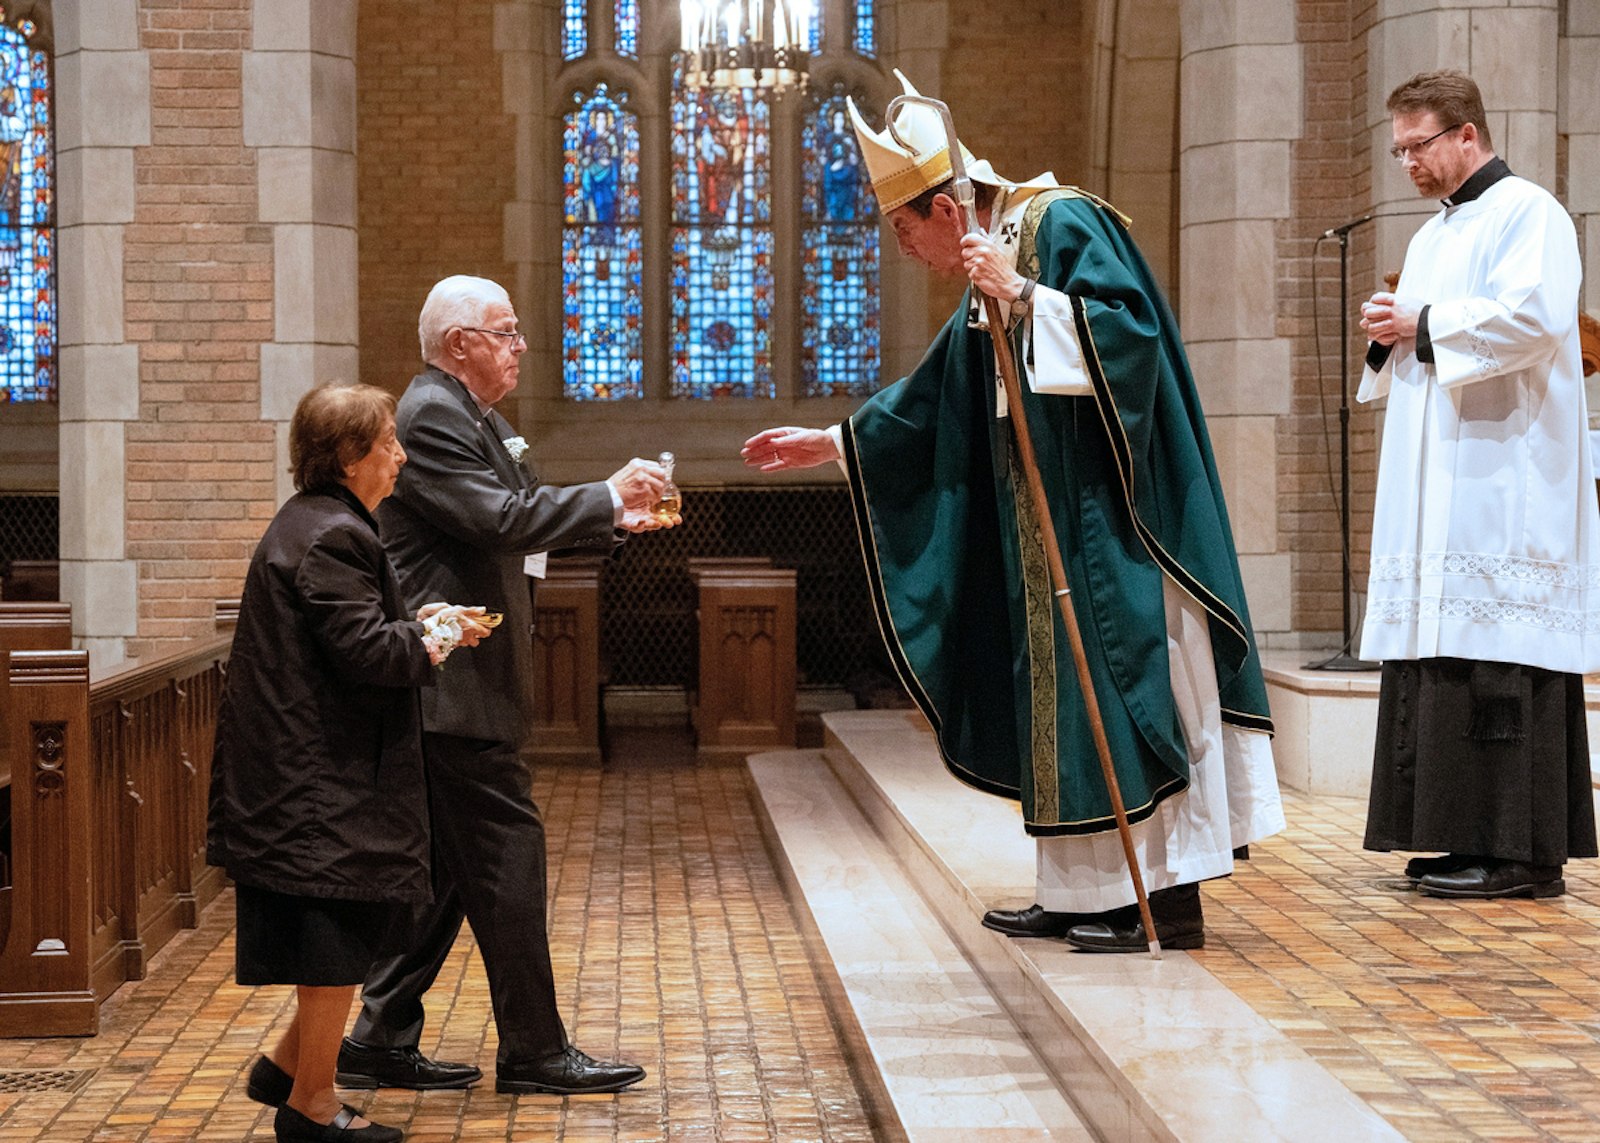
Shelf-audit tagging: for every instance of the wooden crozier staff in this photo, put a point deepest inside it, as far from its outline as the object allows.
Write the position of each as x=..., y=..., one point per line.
x=1006, y=366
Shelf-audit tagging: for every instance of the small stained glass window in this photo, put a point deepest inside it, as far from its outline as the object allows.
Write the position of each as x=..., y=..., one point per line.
x=574, y=28
x=722, y=271
x=27, y=236
x=601, y=251
x=628, y=28
x=814, y=28
x=839, y=340
x=866, y=29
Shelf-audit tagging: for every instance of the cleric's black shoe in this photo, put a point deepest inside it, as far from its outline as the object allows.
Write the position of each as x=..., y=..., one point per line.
x=268, y=1083
x=567, y=1072
x=1177, y=914
x=1491, y=877
x=1419, y=867
x=1034, y=921
x=364, y=1066
x=292, y=1127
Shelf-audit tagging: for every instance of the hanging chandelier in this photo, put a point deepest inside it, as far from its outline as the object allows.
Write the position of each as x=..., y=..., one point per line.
x=762, y=44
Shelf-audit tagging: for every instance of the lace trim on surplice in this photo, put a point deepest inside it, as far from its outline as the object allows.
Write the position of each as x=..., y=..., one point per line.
x=1546, y=573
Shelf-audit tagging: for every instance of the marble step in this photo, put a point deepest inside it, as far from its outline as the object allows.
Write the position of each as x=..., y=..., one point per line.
x=940, y=1059
x=1146, y=1049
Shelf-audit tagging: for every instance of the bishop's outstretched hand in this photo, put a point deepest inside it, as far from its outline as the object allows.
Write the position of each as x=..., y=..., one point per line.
x=773, y=450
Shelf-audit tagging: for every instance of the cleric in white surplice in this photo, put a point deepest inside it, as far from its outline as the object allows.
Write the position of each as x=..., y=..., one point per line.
x=1484, y=597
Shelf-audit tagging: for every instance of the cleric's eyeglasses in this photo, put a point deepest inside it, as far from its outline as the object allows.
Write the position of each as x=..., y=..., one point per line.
x=1399, y=154
x=513, y=336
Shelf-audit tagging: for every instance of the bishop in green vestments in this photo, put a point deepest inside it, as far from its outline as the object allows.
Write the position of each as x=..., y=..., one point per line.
x=958, y=570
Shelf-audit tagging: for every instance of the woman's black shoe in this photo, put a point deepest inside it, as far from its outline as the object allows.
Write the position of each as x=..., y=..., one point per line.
x=268, y=1083
x=292, y=1127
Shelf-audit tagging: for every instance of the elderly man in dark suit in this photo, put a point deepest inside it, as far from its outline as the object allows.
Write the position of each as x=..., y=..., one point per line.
x=469, y=521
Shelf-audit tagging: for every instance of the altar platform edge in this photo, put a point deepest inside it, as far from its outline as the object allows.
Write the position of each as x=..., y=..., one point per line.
x=1140, y=1049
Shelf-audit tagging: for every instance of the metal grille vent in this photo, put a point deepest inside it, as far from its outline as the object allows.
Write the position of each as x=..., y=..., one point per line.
x=649, y=634
x=46, y=1079
x=29, y=528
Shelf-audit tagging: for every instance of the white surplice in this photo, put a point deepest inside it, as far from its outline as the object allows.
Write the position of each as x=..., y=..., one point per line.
x=1485, y=534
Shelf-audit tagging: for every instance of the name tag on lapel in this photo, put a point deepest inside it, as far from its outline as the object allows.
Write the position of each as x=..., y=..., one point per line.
x=535, y=564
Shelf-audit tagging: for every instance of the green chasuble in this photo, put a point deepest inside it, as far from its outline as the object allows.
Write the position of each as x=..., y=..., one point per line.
x=957, y=566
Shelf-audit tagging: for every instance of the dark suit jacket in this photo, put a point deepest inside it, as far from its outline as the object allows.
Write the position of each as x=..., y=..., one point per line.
x=462, y=517
x=317, y=786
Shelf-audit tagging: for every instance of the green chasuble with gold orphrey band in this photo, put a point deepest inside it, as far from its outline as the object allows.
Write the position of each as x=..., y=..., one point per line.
x=957, y=566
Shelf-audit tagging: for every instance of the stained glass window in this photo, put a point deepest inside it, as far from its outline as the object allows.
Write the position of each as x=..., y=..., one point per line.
x=574, y=28
x=866, y=29
x=814, y=29
x=27, y=239
x=721, y=243
x=601, y=251
x=628, y=28
x=839, y=284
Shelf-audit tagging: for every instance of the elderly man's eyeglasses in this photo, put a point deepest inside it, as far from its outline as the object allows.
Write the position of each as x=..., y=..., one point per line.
x=1399, y=154
x=513, y=336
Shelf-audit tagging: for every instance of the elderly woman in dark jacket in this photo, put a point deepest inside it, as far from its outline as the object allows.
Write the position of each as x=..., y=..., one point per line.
x=318, y=806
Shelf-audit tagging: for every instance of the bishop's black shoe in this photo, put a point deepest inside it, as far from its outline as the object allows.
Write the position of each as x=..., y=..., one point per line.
x=1034, y=921
x=567, y=1072
x=1177, y=914
x=1419, y=867
x=364, y=1066
x=1492, y=877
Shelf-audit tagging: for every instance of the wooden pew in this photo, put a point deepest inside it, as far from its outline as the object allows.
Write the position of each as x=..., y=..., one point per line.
x=109, y=845
x=745, y=700
x=566, y=663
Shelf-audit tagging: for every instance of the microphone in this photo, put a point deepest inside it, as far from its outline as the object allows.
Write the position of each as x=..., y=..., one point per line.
x=1341, y=231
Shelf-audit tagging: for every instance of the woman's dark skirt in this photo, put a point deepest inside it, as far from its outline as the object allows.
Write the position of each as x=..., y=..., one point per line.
x=285, y=939
x=1488, y=759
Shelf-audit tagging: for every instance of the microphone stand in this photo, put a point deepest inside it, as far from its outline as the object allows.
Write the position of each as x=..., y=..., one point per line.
x=1342, y=659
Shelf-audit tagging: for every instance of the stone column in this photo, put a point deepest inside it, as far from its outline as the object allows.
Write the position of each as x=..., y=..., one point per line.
x=300, y=112
x=1578, y=120
x=1240, y=90
x=102, y=114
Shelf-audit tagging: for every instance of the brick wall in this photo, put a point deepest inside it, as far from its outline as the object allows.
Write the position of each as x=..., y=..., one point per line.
x=435, y=168
x=198, y=303
x=1331, y=185
x=1033, y=121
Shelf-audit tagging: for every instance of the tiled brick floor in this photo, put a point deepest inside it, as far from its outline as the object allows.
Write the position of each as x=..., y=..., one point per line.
x=1457, y=1020
x=674, y=948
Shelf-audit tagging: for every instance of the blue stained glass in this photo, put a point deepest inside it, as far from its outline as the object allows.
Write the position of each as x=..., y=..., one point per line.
x=628, y=28
x=27, y=238
x=814, y=29
x=839, y=300
x=866, y=29
x=602, y=251
x=722, y=282
x=574, y=28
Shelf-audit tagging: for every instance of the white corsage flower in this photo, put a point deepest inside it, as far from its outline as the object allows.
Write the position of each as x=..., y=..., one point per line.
x=516, y=446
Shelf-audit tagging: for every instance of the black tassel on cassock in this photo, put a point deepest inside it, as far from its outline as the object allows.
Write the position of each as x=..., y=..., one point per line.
x=1497, y=703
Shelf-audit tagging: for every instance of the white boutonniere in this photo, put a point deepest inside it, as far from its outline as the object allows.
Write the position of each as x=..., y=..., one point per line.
x=516, y=446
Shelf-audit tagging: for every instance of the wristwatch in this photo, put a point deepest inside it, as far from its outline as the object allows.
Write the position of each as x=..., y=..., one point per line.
x=1024, y=301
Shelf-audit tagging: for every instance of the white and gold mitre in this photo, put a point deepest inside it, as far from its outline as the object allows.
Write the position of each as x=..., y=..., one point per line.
x=900, y=175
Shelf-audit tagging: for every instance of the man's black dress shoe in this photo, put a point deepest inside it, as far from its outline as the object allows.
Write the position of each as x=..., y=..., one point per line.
x=1176, y=911
x=268, y=1083
x=292, y=1127
x=1034, y=921
x=567, y=1072
x=363, y=1066
x=1419, y=867
x=1490, y=877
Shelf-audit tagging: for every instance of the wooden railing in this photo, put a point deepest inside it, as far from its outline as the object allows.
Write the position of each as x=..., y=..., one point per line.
x=109, y=785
